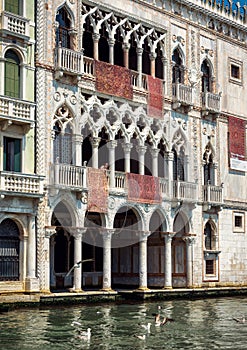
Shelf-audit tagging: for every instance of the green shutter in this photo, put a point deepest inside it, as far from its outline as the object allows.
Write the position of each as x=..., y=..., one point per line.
x=17, y=155
x=12, y=79
x=12, y=6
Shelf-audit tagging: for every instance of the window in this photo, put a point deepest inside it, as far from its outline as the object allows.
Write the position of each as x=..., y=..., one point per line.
x=12, y=74
x=10, y=248
x=12, y=6
x=63, y=37
x=177, y=69
x=11, y=154
x=235, y=71
x=206, y=77
x=210, y=267
x=238, y=222
x=178, y=165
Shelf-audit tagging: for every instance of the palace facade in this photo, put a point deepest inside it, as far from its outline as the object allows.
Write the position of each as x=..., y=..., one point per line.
x=126, y=151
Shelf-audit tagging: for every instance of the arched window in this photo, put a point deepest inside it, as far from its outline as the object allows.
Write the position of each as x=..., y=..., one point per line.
x=206, y=77
x=12, y=74
x=62, y=35
x=178, y=165
x=208, y=166
x=62, y=147
x=12, y=6
x=177, y=68
x=208, y=236
x=10, y=249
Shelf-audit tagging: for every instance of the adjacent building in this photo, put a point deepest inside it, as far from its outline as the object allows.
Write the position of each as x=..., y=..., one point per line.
x=138, y=138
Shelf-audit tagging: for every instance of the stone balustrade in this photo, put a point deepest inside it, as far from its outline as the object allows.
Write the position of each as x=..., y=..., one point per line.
x=15, y=24
x=17, y=183
x=16, y=110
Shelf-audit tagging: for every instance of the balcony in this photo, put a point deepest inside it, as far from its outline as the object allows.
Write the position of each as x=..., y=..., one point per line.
x=212, y=197
x=16, y=111
x=17, y=184
x=184, y=191
x=12, y=24
x=181, y=96
x=210, y=104
x=68, y=61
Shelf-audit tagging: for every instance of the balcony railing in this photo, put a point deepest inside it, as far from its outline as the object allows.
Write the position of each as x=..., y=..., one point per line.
x=19, y=183
x=68, y=61
x=182, y=94
x=211, y=102
x=185, y=191
x=15, y=24
x=68, y=176
x=139, y=82
x=16, y=110
x=213, y=194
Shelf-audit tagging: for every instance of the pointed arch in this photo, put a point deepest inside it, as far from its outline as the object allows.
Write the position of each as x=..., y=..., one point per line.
x=178, y=60
x=210, y=233
x=65, y=19
x=208, y=164
x=206, y=75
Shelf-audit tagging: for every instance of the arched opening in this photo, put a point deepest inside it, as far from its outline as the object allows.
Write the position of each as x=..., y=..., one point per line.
x=133, y=54
x=86, y=147
x=148, y=164
x=63, y=30
x=119, y=152
x=161, y=159
x=10, y=251
x=179, y=274
x=159, y=67
x=62, y=144
x=103, y=150
x=178, y=165
x=206, y=77
x=62, y=248
x=146, y=58
x=156, y=252
x=125, y=252
x=134, y=157
x=88, y=38
x=103, y=44
x=177, y=67
x=12, y=83
x=118, y=50
x=92, y=249
x=208, y=167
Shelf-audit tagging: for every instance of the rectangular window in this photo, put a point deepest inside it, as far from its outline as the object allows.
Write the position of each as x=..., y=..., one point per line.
x=11, y=154
x=238, y=222
x=12, y=6
x=210, y=267
x=235, y=71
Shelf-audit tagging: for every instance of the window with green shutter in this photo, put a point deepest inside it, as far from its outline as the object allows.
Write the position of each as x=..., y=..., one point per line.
x=12, y=6
x=11, y=154
x=12, y=74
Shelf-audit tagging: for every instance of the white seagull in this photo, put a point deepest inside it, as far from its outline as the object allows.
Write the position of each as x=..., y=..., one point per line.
x=239, y=320
x=77, y=265
x=147, y=326
x=85, y=335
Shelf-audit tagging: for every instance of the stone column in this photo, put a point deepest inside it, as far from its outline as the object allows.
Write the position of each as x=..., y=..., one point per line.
x=31, y=283
x=96, y=37
x=49, y=231
x=152, y=57
x=165, y=61
x=107, y=260
x=127, y=148
x=95, y=152
x=111, y=147
x=170, y=158
x=141, y=151
x=77, y=234
x=189, y=239
x=111, y=50
x=168, y=259
x=126, y=47
x=143, y=263
x=154, y=153
x=77, y=151
x=139, y=51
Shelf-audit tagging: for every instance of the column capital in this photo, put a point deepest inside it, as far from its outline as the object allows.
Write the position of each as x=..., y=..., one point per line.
x=95, y=141
x=77, y=138
x=141, y=150
x=152, y=56
x=189, y=238
x=127, y=147
x=111, y=144
x=139, y=51
x=77, y=232
x=50, y=231
x=164, y=61
x=168, y=236
x=96, y=36
x=111, y=42
x=154, y=152
x=169, y=156
x=143, y=235
x=126, y=46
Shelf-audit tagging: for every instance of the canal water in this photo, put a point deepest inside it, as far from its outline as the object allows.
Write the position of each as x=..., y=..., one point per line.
x=198, y=324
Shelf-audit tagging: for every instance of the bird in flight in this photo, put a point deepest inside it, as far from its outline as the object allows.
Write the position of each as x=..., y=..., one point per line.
x=159, y=322
x=77, y=265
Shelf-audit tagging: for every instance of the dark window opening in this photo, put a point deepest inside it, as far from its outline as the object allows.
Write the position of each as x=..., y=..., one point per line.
x=238, y=221
x=11, y=154
x=88, y=39
x=206, y=77
x=210, y=267
x=177, y=69
x=159, y=68
x=118, y=50
x=62, y=35
x=235, y=71
x=103, y=45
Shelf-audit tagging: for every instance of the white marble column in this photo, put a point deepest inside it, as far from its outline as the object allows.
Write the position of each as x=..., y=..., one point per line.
x=111, y=147
x=154, y=152
x=111, y=50
x=77, y=151
x=95, y=151
x=169, y=159
x=49, y=231
x=127, y=148
x=168, y=259
x=141, y=152
x=107, y=260
x=139, y=52
x=77, y=234
x=165, y=61
x=96, y=37
x=143, y=262
x=32, y=282
x=189, y=239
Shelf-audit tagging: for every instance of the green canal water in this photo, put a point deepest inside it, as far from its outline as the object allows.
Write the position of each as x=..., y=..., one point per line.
x=198, y=324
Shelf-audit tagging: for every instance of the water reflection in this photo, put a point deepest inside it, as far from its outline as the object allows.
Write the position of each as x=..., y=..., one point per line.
x=199, y=324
